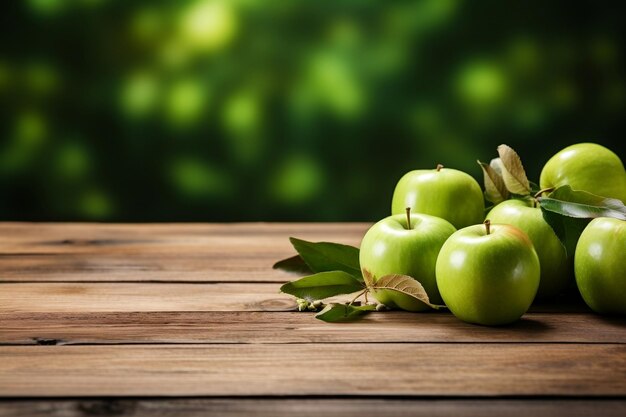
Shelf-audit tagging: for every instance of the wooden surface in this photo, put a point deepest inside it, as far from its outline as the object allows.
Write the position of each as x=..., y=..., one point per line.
x=303, y=407
x=157, y=319
x=293, y=369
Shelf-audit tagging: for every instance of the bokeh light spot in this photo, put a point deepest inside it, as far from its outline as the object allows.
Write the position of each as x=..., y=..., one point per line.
x=336, y=85
x=604, y=50
x=139, y=94
x=174, y=54
x=482, y=83
x=147, y=24
x=185, y=101
x=242, y=119
x=564, y=95
x=524, y=55
x=72, y=161
x=345, y=33
x=406, y=18
x=208, y=24
x=41, y=78
x=47, y=7
x=242, y=113
x=194, y=178
x=95, y=204
x=29, y=135
x=298, y=180
x=31, y=128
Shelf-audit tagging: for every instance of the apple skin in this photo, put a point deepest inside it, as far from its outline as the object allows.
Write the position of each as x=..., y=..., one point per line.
x=589, y=167
x=389, y=247
x=447, y=193
x=489, y=279
x=555, y=267
x=600, y=265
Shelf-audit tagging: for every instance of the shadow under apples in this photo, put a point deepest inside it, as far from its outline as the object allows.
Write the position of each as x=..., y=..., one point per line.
x=613, y=320
x=567, y=302
x=529, y=326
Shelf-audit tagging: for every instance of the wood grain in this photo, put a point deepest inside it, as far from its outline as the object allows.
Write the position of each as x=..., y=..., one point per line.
x=62, y=252
x=127, y=297
x=194, y=310
x=268, y=407
x=444, y=369
x=278, y=327
x=79, y=297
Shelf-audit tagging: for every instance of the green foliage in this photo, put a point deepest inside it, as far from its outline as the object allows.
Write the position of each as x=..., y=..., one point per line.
x=293, y=264
x=328, y=256
x=323, y=285
x=221, y=110
x=569, y=211
x=581, y=204
x=343, y=312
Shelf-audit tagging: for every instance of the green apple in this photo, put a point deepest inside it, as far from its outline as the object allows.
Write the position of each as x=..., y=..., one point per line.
x=555, y=268
x=447, y=193
x=589, y=167
x=488, y=274
x=600, y=265
x=393, y=246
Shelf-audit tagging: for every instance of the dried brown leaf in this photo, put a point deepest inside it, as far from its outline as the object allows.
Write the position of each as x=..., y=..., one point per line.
x=496, y=164
x=405, y=285
x=513, y=172
x=495, y=190
x=368, y=278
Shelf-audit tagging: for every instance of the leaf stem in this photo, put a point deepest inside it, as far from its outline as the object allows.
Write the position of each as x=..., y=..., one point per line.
x=487, y=224
x=358, y=295
x=408, y=218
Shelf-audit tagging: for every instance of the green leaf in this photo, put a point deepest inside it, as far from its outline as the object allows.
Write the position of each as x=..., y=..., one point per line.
x=343, y=312
x=293, y=264
x=406, y=285
x=534, y=187
x=569, y=211
x=495, y=190
x=513, y=172
x=327, y=256
x=581, y=204
x=567, y=229
x=323, y=285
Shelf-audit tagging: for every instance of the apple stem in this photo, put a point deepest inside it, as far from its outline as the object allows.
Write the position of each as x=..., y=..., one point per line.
x=408, y=218
x=439, y=166
x=487, y=224
x=545, y=190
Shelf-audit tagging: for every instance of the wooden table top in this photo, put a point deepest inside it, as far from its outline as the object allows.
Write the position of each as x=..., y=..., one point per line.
x=155, y=319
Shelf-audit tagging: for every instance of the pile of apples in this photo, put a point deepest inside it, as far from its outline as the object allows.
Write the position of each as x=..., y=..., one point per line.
x=489, y=270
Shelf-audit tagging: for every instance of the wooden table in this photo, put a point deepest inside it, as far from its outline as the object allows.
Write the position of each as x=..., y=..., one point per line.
x=154, y=319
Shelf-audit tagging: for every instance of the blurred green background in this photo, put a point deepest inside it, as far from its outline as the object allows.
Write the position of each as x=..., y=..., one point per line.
x=216, y=110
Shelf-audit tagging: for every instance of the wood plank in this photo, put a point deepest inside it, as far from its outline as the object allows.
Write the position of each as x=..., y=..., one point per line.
x=277, y=327
x=453, y=369
x=74, y=252
x=81, y=297
x=201, y=407
x=127, y=297
x=62, y=252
